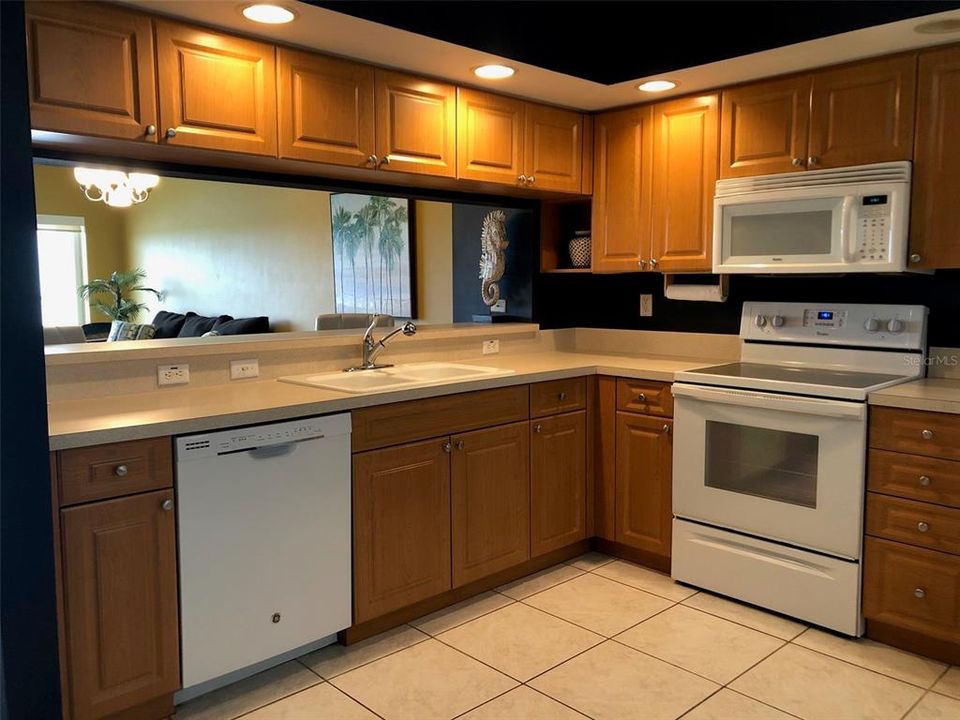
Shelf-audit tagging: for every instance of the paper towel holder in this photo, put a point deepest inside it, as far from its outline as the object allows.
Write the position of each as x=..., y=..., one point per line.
x=714, y=291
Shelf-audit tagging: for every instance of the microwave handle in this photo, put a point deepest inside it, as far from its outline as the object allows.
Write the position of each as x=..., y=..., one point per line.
x=848, y=234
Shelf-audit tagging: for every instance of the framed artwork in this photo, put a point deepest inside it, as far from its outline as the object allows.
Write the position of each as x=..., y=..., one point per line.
x=373, y=254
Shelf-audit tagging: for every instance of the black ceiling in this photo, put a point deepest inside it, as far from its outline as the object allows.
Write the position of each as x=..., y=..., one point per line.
x=610, y=42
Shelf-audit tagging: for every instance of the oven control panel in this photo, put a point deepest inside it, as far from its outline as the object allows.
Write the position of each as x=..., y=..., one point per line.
x=896, y=327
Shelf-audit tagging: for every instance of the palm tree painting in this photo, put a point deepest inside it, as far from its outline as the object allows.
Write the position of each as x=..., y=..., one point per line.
x=372, y=254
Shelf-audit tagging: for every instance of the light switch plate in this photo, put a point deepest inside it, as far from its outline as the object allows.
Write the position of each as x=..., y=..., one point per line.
x=240, y=369
x=173, y=374
x=646, y=305
x=491, y=347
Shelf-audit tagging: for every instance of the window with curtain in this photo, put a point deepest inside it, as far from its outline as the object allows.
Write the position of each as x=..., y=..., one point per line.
x=61, y=247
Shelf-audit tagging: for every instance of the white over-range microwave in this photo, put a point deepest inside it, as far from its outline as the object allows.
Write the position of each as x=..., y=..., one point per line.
x=843, y=220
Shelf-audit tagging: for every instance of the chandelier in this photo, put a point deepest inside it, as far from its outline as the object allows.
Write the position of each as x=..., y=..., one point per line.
x=115, y=188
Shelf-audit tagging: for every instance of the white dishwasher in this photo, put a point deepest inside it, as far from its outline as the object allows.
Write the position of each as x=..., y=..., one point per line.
x=265, y=542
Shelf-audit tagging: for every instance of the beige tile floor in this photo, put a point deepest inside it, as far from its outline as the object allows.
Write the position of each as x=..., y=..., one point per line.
x=596, y=638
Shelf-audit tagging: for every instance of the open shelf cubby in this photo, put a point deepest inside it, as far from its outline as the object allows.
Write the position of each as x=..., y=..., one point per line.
x=559, y=220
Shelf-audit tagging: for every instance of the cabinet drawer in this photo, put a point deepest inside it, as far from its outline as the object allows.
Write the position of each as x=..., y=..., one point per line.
x=914, y=477
x=912, y=588
x=105, y=471
x=915, y=431
x=558, y=396
x=917, y=523
x=385, y=425
x=643, y=396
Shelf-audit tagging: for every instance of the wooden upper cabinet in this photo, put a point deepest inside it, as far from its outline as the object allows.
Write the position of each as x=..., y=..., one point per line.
x=326, y=109
x=416, y=124
x=644, y=483
x=622, y=189
x=401, y=526
x=935, y=212
x=764, y=127
x=684, y=178
x=490, y=501
x=91, y=70
x=217, y=91
x=863, y=113
x=490, y=134
x=120, y=584
x=558, y=482
x=553, y=149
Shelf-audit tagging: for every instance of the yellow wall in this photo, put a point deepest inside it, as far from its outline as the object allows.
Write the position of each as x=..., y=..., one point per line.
x=434, y=249
x=58, y=194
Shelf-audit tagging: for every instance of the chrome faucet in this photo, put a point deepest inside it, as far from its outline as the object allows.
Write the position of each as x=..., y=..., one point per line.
x=372, y=348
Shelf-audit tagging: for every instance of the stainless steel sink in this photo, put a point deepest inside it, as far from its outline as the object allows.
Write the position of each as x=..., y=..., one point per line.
x=397, y=377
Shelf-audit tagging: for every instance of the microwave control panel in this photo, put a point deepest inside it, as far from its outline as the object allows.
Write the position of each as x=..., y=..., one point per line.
x=873, y=228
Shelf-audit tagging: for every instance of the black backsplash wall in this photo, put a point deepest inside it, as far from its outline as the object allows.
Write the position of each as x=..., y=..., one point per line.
x=613, y=301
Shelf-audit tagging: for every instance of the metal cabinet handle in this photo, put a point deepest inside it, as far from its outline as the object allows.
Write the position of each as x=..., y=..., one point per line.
x=538, y=428
x=373, y=160
x=926, y=434
x=653, y=263
x=924, y=480
x=642, y=264
x=813, y=160
x=120, y=471
x=459, y=444
x=531, y=179
x=151, y=130
x=562, y=396
x=171, y=133
x=386, y=160
x=447, y=447
x=920, y=593
x=522, y=179
x=922, y=526
x=167, y=505
x=915, y=257
x=641, y=397
x=666, y=428
x=797, y=162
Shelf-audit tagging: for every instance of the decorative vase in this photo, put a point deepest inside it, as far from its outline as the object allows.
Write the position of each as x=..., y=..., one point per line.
x=580, y=249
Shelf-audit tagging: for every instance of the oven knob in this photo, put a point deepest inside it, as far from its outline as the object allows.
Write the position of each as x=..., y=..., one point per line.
x=760, y=321
x=778, y=321
x=895, y=325
x=871, y=325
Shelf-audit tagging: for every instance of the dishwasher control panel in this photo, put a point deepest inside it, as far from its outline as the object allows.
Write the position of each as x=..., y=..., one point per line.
x=193, y=447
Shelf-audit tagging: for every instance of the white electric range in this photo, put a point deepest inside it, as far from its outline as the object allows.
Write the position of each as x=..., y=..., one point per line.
x=770, y=455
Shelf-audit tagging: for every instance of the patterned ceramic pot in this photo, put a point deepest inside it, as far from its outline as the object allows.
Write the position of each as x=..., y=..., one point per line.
x=580, y=249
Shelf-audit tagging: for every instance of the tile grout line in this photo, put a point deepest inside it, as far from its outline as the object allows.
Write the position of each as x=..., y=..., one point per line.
x=560, y=702
x=459, y=624
x=357, y=667
x=749, y=627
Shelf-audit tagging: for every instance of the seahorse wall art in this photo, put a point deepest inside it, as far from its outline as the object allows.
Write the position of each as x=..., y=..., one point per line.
x=493, y=245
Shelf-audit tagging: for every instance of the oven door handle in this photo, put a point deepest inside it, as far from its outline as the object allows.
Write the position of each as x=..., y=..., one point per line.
x=770, y=401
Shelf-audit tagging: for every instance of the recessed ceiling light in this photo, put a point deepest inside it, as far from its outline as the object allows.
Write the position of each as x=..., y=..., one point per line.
x=268, y=14
x=657, y=86
x=494, y=72
x=938, y=27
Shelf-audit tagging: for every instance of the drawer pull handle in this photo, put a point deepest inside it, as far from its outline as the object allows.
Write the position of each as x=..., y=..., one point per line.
x=563, y=396
x=926, y=434
x=447, y=447
x=666, y=428
x=171, y=133
x=922, y=526
x=459, y=445
x=167, y=505
x=641, y=397
x=920, y=593
x=120, y=471
x=924, y=481
x=538, y=428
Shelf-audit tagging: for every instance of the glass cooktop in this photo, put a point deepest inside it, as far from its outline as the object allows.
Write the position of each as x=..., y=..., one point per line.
x=802, y=375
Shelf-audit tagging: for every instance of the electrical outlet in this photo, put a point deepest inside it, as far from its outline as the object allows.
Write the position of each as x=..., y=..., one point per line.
x=646, y=305
x=240, y=369
x=491, y=347
x=173, y=374
x=500, y=306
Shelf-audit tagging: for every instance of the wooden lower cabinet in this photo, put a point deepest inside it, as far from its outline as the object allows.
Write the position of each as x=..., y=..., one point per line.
x=120, y=589
x=558, y=482
x=644, y=464
x=490, y=501
x=401, y=526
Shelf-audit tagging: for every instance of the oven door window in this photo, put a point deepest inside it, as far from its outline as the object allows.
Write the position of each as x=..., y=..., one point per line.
x=773, y=464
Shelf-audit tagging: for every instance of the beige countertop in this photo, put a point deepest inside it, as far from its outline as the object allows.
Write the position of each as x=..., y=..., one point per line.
x=931, y=394
x=176, y=411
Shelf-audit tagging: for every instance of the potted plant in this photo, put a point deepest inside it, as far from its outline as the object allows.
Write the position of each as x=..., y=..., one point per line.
x=119, y=307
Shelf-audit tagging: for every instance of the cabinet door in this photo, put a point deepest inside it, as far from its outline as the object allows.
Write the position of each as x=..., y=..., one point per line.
x=416, y=125
x=863, y=113
x=489, y=137
x=935, y=212
x=764, y=127
x=684, y=180
x=91, y=70
x=644, y=468
x=326, y=109
x=120, y=595
x=401, y=526
x=621, y=190
x=216, y=91
x=553, y=149
x=490, y=501
x=558, y=481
